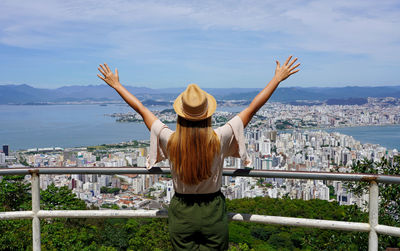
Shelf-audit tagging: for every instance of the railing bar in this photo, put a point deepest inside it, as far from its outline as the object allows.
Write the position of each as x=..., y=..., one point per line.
x=226, y=172
x=363, y=227
x=301, y=222
x=288, y=221
x=16, y=215
x=102, y=213
x=388, y=230
x=14, y=171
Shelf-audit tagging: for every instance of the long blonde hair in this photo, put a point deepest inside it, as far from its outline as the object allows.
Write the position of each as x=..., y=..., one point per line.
x=192, y=148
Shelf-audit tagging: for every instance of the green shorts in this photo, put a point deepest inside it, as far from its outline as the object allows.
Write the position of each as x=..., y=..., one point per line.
x=198, y=222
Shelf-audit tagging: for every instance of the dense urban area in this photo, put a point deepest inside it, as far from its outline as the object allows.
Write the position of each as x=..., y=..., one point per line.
x=280, y=137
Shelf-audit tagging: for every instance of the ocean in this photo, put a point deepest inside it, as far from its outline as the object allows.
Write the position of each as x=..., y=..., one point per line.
x=32, y=126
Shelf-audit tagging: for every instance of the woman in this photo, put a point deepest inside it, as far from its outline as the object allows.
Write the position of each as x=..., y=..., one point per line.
x=197, y=215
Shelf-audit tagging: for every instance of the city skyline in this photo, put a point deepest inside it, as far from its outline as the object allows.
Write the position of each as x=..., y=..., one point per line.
x=48, y=44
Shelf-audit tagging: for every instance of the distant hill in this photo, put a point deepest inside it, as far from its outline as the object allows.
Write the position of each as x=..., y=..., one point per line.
x=25, y=94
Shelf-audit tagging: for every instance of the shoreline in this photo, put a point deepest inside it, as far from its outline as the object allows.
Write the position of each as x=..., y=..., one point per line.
x=286, y=130
x=334, y=127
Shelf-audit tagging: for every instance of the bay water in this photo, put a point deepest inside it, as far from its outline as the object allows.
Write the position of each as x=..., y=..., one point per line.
x=32, y=126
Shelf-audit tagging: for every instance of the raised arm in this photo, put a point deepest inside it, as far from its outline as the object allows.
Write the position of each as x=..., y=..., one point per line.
x=281, y=73
x=113, y=80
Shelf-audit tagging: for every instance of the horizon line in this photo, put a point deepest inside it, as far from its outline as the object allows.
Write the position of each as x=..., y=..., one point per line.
x=179, y=87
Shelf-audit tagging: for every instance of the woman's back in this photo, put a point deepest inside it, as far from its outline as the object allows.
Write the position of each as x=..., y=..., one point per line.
x=192, y=149
x=231, y=144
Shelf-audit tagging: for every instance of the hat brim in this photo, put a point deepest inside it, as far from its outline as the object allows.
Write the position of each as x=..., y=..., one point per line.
x=211, y=105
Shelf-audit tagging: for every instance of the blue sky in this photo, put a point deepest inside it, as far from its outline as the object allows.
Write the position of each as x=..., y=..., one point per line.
x=157, y=44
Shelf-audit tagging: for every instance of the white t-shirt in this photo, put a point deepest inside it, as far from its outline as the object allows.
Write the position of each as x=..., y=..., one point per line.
x=231, y=138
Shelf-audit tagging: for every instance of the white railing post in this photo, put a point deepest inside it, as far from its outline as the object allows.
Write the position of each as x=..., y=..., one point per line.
x=373, y=215
x=35, y=209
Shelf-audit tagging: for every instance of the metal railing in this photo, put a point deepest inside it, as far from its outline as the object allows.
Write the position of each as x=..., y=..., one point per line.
x=373, y=227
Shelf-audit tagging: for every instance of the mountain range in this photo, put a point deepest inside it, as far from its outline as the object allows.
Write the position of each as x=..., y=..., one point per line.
x=26, y=94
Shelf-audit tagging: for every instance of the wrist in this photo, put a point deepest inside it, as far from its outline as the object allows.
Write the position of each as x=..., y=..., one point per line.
x=118, y=86
x=276, y=80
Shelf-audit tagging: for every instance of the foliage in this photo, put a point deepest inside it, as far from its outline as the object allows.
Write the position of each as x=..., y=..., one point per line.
x=60, y=198
x=14, y=194
x=110, y=206
x=241, y=247
x=15, y=235
x=112, y=190
x=389, y=194
x=73, y=234
x=148, y=234
x=331, y=192
x=271, y=237
x=68, y=234
x=105, y=147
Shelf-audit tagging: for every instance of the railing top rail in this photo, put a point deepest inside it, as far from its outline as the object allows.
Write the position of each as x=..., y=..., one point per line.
x=226, y=172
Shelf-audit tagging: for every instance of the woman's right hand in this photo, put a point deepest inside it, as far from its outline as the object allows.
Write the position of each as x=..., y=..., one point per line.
x=108, y=76
x=284, y=71
x=281, y=73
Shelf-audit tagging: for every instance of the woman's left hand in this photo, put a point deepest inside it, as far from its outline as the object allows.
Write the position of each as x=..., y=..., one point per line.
x=108, y=76
x=287, y=69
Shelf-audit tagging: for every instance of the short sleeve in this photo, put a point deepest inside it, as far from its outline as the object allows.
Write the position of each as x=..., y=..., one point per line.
x=232, y=138
x=159, y=135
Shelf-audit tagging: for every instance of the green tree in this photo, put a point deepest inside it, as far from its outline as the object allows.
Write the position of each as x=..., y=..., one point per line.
x=110, y=206
x=15, y=235
x=113, y=233
x=60, y=198
x=273, y=237
x=148, y=234
x=389, y=194
x=331, y=192
x=281, y=240
x=109, y=190
x=14, y=194
x=241, y=247
x=65, y=234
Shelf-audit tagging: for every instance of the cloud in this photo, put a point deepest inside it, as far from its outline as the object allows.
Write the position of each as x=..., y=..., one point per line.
x=368, y=28
x=355, y=27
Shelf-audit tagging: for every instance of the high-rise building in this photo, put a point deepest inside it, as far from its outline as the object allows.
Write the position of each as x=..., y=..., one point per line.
x=170, y=190
x=272, y=135
x=2, y=158
x=5, y=149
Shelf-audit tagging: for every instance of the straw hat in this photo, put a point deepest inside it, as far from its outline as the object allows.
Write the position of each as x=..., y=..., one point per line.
x=195, y=104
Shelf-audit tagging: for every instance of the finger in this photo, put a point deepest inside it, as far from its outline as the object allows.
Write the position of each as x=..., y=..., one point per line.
x=108, y=68
x=104, y=69
x=278, y=64
x=288, y=59
x=293, y=72
x=294, y=67
x=101, y=77
x=116, y=72
x=102, y=72
x=291, y=63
